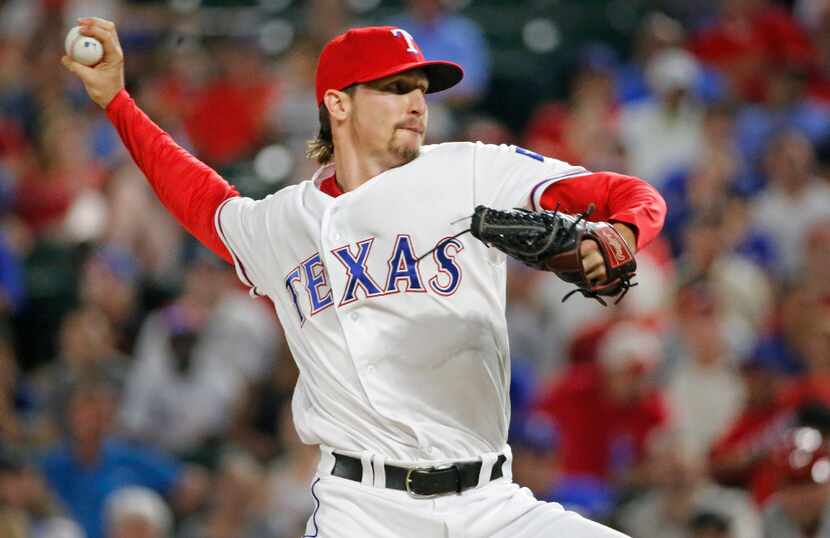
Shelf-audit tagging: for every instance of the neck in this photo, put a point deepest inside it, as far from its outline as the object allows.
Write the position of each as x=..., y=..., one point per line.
x=353, y=171
x=355, y=164
x=87, y=450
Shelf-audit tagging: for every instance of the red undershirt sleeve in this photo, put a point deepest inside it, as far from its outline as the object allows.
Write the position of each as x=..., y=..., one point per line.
x=188, y=188
x=618, y=198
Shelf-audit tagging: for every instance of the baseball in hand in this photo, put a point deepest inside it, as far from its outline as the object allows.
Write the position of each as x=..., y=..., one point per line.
x=83, y=49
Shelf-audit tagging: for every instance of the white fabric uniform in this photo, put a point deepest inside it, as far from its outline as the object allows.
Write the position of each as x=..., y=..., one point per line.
x=400, y=362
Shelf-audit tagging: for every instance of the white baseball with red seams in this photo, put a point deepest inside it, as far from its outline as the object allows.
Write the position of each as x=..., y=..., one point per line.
x=83, y=49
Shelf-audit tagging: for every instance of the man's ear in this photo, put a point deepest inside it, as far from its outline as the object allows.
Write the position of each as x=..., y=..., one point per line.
x=339, y=104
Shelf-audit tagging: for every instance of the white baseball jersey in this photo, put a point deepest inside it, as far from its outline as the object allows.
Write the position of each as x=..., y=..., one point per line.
x=401, y=359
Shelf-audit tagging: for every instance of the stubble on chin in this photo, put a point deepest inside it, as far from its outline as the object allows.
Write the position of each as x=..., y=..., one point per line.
x=404, y=154
x=409, y=154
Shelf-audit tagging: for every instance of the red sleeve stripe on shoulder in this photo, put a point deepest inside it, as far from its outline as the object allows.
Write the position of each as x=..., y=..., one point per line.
x=240, y=268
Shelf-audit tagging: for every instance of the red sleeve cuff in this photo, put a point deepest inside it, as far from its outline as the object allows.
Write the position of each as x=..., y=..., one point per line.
x=117, y=103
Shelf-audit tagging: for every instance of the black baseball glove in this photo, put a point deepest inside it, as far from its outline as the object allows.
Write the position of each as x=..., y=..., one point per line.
x=550, y=240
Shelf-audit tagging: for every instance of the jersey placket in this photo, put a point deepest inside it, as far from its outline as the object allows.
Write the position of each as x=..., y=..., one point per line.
x=333, y=234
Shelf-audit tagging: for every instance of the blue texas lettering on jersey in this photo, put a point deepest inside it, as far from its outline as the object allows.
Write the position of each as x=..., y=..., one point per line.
x=403, y=274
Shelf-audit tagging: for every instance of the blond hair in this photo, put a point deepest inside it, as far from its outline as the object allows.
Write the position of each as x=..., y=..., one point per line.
x=321, y=149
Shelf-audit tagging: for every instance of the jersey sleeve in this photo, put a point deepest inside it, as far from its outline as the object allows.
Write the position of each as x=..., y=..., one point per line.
x=188, y=188
x=616, y=198
x=240, y=223
x=511, y=176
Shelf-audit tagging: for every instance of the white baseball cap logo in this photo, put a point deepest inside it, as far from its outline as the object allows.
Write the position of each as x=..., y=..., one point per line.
x=410, y=41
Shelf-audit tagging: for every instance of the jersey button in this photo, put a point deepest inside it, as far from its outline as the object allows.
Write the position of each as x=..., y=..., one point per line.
x=370, y=368
x=354, y=316
x=337, y=236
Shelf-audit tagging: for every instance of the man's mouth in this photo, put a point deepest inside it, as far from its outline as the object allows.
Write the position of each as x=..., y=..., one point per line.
x=414, y=128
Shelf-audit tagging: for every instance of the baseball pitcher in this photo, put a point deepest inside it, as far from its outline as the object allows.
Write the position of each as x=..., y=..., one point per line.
x=387, y=271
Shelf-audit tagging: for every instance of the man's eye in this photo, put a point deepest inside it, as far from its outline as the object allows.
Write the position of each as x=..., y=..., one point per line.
x=402, y=87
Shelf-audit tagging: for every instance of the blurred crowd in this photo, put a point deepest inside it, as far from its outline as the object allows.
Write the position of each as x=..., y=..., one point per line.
x=144, y=394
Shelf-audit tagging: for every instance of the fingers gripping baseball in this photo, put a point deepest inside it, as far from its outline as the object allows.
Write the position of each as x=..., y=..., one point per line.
x=104, y=80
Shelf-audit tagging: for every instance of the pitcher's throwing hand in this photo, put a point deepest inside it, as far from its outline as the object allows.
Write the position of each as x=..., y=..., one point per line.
x=104, y=80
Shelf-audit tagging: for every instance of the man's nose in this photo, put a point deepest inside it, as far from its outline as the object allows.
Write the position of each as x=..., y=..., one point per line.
x=417, y=102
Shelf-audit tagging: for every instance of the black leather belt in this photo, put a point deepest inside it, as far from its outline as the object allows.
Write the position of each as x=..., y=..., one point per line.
x=421, y=481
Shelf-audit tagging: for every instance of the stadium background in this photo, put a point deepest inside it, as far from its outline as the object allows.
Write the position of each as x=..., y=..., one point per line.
x=143, y=394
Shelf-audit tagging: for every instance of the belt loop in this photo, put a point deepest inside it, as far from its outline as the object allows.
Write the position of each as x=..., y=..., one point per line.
x=507, y=466
x=487, y=461
x=379, y=465
x=368, y=472
x=326, y=465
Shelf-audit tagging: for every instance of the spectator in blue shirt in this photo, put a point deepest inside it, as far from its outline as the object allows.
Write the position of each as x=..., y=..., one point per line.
x=787, y=108
x=12, y=281
x=92, y=464
x=535, y=442
x=454, y=37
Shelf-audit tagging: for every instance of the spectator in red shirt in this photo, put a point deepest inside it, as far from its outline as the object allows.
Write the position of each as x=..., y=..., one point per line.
x=815, y=15
x=61, y=171
x=736, y=457
x=606, y=409
x=740, y=457
x=235, y=101
x=583, y=129
x=801, y=504
x=747, y=39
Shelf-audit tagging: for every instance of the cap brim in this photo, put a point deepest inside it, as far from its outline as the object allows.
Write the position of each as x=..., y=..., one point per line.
x=442, y=75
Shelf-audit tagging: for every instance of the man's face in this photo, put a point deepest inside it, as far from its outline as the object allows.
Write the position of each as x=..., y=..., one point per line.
x=89, y=414
x=389, y=117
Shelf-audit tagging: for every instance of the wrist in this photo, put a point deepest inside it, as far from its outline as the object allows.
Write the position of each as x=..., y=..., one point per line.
x=106, y=100
x=116, y=101
x=628, y=233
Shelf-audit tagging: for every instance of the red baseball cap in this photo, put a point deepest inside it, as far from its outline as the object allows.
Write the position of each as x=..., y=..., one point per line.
x=365, y=54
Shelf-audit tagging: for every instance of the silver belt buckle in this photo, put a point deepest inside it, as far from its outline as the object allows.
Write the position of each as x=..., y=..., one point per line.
x=408, y=483
x=408, y=480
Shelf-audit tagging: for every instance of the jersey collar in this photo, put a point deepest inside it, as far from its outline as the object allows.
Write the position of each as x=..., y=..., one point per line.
x=330, y=187
x=326, y=180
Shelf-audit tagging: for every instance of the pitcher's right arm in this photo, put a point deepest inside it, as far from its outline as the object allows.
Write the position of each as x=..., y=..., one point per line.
x=188, y=188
